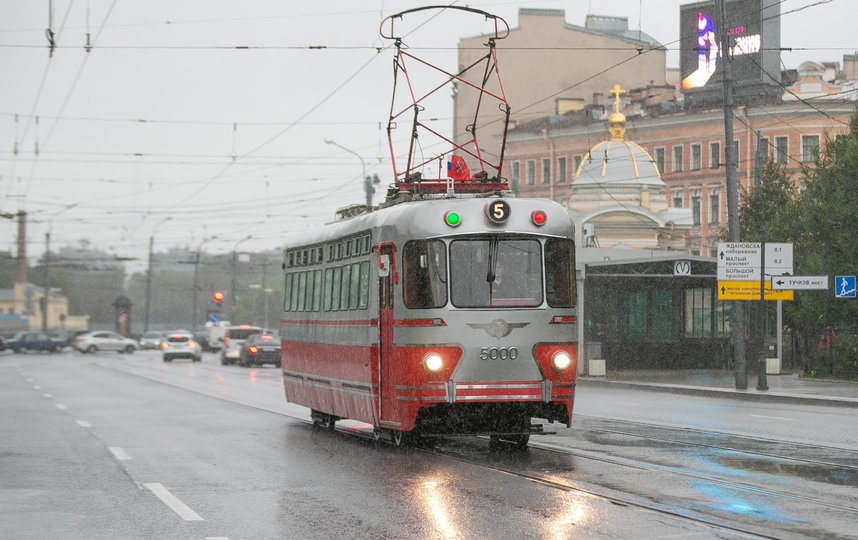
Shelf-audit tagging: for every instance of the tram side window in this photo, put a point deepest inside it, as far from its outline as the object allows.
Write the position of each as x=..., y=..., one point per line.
x=424, y=271
x=308, y=300
x=344, y=292
x=329, y=287
x=317, y=289
x=287, y=292
x=354, y=286
x=302, y=287
x=560, y=272
x=363, y=296
x=335, y=293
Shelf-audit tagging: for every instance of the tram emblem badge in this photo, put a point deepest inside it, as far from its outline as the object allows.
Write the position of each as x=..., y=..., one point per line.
x=498, y=328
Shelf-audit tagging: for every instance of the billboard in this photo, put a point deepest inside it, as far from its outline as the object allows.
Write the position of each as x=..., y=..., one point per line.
x=751, y=35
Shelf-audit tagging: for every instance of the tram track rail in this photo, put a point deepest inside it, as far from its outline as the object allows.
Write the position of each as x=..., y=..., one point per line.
x=472, y=451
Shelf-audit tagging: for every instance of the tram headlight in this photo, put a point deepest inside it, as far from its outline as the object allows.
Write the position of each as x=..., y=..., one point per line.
x=433, y=362
x=561, y=360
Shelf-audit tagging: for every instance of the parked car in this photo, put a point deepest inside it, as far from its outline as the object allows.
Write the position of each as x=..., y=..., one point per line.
x=233, y=340
x=2, y=344
x=92, y=342
x=35, y=341
x=151, y=340
x=260, y=349
x=181, y=345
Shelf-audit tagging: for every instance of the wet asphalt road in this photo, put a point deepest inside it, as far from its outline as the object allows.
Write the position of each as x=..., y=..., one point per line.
x=115, y=446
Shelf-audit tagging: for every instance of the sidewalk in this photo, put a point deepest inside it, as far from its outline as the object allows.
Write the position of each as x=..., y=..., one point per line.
x=786, y=387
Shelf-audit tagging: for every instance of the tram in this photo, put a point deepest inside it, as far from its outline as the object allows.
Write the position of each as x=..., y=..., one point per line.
x=448, y=309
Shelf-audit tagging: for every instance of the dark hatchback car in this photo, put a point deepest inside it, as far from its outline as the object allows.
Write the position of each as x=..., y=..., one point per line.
x=35, y=341
x=260, y=349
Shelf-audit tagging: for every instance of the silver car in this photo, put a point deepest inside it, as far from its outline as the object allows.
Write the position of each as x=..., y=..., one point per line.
x=233, y=341
x=181, y=345
x=151, y=340
x=92, y=342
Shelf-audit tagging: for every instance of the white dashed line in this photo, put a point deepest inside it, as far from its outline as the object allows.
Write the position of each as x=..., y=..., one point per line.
x=36, y=387
x=83, y=423
x=61, y=407
x=47, y=395
x=119, y=453
x=217, y=537
x=173, y=502
x=772, y=417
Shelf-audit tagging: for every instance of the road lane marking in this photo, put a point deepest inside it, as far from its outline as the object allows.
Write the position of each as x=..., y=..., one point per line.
x=61, y=407
x=119, y=453
x=83, y=423
x=772, y=417
x=173, y=502
x=47, y=395
x=217, y=537
x=36, y=387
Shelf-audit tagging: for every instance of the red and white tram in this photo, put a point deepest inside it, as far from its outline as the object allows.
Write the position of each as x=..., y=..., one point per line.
x=444, y=316
x=450, y=310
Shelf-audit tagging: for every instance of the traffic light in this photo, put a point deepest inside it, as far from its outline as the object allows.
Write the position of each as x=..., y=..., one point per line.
x=217, y=297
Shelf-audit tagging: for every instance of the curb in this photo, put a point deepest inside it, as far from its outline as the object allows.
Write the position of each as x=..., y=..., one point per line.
x=747, y=395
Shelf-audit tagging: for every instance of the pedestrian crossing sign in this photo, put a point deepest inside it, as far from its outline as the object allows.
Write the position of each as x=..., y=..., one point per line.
x=844, y=287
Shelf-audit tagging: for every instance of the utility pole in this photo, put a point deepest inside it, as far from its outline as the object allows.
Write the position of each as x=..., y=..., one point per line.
x=149, y=275
x=45, y=279
x=738, y=319
x=760, y=157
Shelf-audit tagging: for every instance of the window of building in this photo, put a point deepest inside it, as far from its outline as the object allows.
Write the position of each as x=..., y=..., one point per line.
x=676, y=165
x=736, y=158
x=561, y=170
x=698, y=312
x=766, y=147
x=659, y=159
x=714, y=155
x=781, y=149
x=809, y=147
x=546, y=171
x=696, y=157
x=714, y=205
x=577, y=164
x=677, y=198
x=515, y=172
x=531, y=171
x=696, y=206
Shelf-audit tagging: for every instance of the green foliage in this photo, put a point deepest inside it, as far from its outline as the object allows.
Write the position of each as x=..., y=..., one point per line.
x=819, y=215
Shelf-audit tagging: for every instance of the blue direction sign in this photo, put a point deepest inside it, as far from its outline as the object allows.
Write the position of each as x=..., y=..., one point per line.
x=844, y=287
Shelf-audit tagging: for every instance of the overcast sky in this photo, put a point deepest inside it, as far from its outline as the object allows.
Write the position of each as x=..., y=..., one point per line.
x=167, y=129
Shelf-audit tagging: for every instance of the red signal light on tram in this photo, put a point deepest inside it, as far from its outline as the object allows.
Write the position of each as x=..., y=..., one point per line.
x=217, y=296
x=538, y=217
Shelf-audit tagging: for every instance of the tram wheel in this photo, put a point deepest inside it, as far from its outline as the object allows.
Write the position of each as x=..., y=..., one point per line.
x=376, y=434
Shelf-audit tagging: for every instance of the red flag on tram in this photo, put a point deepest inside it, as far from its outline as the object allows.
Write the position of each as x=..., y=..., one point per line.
x=457, y=169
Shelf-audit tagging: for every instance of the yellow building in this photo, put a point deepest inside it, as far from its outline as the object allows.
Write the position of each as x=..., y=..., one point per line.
x=20, y=310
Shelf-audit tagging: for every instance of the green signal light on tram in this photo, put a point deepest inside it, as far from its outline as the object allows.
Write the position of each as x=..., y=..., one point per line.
x=453, y=219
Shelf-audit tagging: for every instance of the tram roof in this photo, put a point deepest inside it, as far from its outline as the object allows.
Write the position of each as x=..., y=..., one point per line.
x=426, y=219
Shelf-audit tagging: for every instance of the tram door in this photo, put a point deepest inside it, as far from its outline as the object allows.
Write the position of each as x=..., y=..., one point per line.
x=386, y=280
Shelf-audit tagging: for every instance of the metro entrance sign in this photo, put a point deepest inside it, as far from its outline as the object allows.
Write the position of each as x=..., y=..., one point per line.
x=743, y=261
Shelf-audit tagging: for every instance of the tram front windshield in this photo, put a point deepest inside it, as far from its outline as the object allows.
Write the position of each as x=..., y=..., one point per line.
x=494, y=272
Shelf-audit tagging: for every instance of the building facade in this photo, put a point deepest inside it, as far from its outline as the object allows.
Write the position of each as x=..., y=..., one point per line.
x=687, y=148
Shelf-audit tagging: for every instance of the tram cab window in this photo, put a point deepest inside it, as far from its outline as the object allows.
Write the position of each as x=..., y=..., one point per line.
x=496, y=273
x=560, y=272
x=424, y=272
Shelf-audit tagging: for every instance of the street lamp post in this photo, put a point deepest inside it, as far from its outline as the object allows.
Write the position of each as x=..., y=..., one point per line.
x=232, y=309
x=367, y=183
x=149, y=274
x=196, y=281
